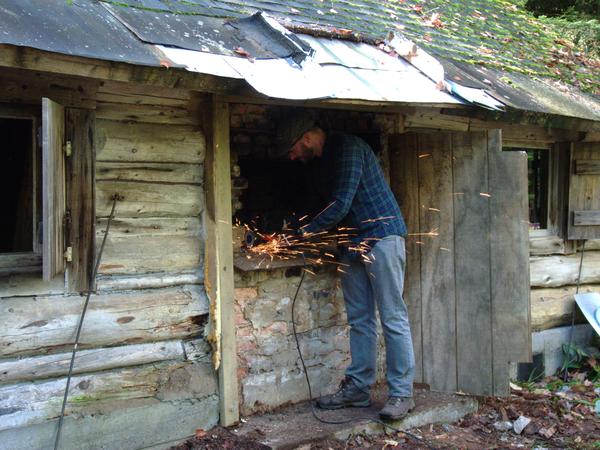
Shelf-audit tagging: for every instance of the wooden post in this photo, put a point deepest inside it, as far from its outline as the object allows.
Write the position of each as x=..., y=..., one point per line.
x=219, y=260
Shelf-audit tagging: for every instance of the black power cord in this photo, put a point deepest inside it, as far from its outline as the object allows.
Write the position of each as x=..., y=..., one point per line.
x=91, y=280
x=310, y=396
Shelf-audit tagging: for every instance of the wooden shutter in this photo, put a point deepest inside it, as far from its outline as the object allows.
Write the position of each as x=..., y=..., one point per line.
x=80, y=125
x=53, y=188
x=584, y=191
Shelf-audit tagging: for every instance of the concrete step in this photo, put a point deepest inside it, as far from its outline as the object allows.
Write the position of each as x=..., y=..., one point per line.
x=294, y=426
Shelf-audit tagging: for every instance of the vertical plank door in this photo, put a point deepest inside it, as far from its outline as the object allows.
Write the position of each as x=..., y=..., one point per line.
x=465, y=202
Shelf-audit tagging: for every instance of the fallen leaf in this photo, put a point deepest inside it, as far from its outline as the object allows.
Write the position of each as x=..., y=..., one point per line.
x=547, y=432
x=200, y=433
x=240, y=51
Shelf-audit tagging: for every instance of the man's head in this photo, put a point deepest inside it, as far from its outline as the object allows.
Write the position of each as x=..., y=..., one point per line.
x=298, y=137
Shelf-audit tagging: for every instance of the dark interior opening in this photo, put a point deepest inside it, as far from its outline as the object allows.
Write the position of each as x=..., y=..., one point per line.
x=16, y=183
x=278, y=191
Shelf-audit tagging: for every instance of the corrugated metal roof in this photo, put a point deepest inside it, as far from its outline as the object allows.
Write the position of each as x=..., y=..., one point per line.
x=337, y=70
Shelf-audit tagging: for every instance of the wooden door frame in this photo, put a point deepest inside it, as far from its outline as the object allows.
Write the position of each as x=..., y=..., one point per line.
x=218, y=265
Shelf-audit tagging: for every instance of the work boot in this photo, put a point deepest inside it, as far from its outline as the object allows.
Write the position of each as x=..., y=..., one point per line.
x=396, y=408
x=347, y=395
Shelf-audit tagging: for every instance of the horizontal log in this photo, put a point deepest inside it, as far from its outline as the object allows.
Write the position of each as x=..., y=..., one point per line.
x=33, y=59
x=136, y=99
x=553, y=307
x=53, y=366
x=102, y=393
x=554, y=271
x=546, y=245
x=42, y=325
x=591, y=244
x=149, y=199
x=587, y=166
x=151, y=226
x=28, y=284
x=12, y=263
x=157, y=114
x=584, y=218
x=150, y=172
x=522, y=134
x=27, y=87
x=120, y=141
x=108, y=283
x=592, y=136
x=130, y=89
x=147, y=253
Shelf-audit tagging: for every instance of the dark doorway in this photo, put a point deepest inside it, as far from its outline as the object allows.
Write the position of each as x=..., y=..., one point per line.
x=17, y=185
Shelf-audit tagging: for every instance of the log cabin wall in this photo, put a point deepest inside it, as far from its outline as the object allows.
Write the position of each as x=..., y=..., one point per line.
x=143, y=373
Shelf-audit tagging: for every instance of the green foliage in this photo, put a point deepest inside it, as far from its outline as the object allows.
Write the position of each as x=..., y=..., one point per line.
x=577, y=359
x=571, y=8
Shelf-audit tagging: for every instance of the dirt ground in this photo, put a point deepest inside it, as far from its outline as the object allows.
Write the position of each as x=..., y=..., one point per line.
x=548, y=414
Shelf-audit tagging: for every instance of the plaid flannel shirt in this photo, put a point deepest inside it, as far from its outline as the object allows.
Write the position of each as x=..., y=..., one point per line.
x=360, y=196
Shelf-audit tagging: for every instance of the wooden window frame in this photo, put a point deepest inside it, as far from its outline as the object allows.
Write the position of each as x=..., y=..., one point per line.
x=553, y=239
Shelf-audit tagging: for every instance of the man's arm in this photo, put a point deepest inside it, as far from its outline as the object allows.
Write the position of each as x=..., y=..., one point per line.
x=347, y=173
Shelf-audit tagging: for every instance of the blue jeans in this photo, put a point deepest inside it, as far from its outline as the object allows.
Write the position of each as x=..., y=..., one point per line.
x=379, y=281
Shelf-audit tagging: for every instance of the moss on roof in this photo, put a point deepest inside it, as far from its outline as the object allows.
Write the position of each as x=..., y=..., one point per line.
x=493, y=33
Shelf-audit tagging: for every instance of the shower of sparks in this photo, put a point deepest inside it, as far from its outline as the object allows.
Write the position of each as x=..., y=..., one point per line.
x=315, y=248
x=432, y=233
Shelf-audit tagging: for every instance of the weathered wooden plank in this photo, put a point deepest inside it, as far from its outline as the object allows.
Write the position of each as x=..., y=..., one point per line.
x=587, y=166
x=28, y=284
x=528, y=136
x=555, y=271
x=586, y=218
x=39, y=60
x=139, y=142
x=150, y=172
x=144, y=113
x=149, y=199
x=153, y=226
x=28, y=87
x=137, y=99
x=509, y=256
x=551, y=308
x=404, y=176
x=104, y=392
x=558, y=177
x=80, y=197
x=545, y=245
x=110, y=283
x=40, y=325
x=472, y=263
x=53, y=188
x=53, y=366
x=140, y=90
x=584, y=191
x=18, y=261
x=151, y=253
x=219, y=262
x=437, y=261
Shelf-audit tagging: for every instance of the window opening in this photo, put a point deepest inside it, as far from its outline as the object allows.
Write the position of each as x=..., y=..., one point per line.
x=17, y=181
x=538, y=163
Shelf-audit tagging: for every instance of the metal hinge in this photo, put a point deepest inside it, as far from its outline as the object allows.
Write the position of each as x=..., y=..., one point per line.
x=68, y=148
x=69, y=254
